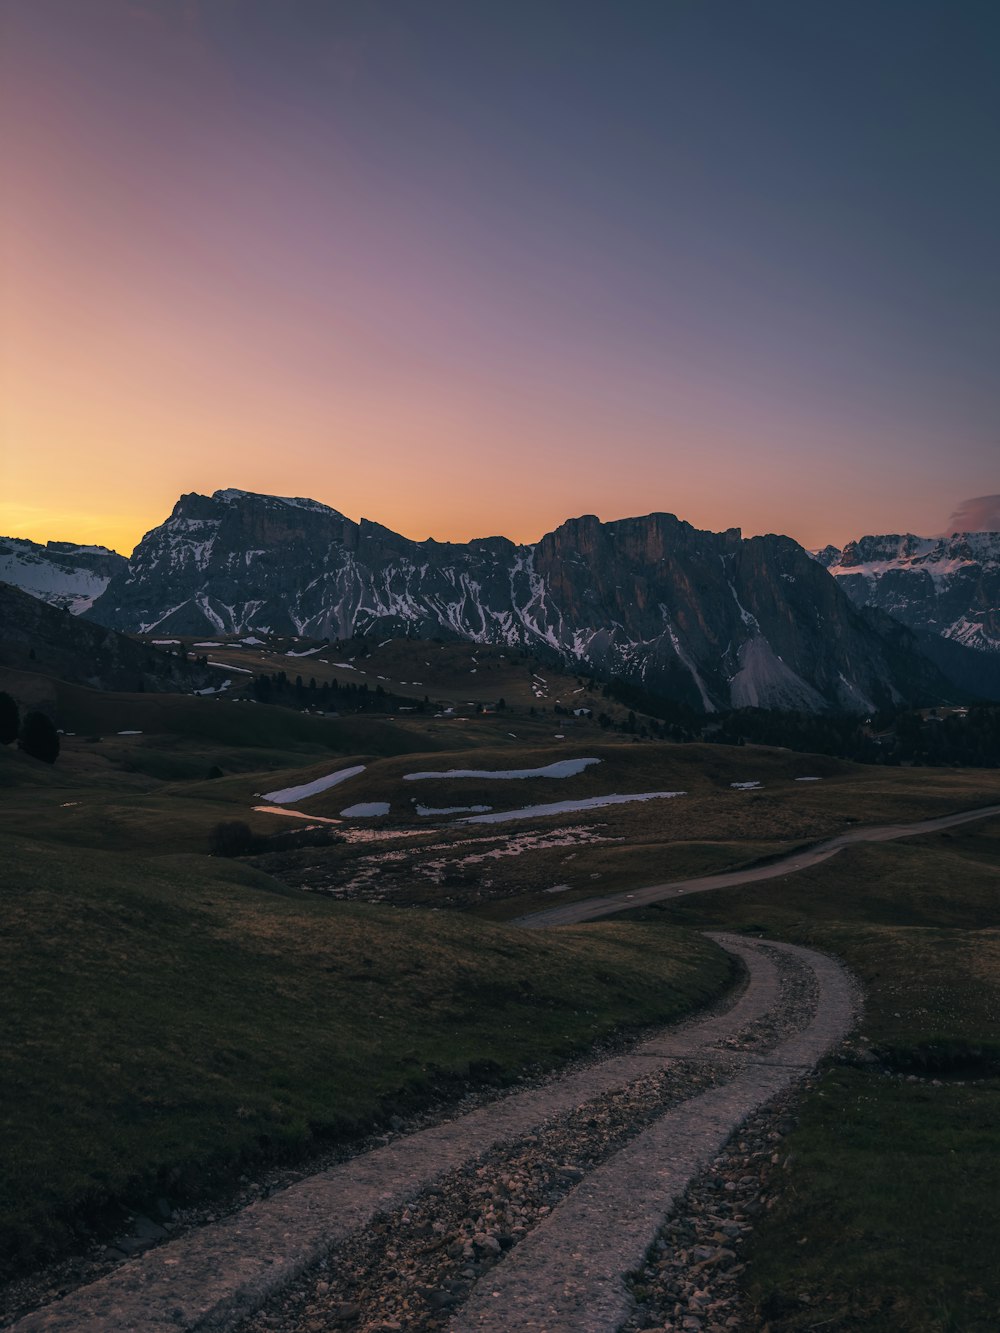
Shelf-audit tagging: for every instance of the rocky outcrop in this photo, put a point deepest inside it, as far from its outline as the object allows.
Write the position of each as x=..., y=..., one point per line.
x=709, y=618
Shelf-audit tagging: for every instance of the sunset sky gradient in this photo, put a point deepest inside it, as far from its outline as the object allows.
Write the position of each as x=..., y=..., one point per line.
x=476, y=267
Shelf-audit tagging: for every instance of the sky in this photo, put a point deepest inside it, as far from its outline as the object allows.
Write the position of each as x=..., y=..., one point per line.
x=469, y=267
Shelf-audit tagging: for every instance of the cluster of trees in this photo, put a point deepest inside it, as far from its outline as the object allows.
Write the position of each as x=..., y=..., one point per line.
x=906, y=736
x=971, y=739
x=35, y=733
x=331, y=696
x=841, y=734
x=909, y=736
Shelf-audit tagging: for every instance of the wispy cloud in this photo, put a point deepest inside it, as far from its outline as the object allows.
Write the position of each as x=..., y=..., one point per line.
x=981, y=514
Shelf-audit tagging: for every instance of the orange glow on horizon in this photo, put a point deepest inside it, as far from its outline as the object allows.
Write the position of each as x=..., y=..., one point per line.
x=208, y=287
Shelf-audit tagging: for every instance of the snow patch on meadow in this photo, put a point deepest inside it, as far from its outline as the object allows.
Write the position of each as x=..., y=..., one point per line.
x=568, y=807
x=285, y=795
x=366, y=810
x=565, y=768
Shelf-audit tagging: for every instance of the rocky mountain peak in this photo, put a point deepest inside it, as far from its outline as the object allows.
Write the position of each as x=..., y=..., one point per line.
x=708, y=618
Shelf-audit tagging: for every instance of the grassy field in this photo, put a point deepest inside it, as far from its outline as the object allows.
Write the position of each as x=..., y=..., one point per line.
x=148, y=791
x=170, y=1015
x=610, y=849
x=890, y=1216
x=168, y=1020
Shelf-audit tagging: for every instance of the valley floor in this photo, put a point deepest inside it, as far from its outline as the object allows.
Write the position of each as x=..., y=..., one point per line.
x=177, y=1021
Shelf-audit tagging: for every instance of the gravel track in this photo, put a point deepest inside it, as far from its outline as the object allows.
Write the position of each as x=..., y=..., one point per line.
x=414, y=1266
x=592, y=909
x=570, y=1272
x=541, y=1139
x=532, y=1212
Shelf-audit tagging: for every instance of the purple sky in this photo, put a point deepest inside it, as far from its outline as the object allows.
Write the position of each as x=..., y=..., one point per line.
x=475, y=268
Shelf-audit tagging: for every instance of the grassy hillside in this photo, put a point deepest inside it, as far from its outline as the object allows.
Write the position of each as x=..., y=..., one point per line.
x=171, y=1018
x=712, y=827
x=447, y=673
x=214, y=721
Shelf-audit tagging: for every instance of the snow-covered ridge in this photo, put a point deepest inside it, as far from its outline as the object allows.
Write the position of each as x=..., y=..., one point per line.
x=948, y=586
x=666, y=607
x=60, y=573
x=232, y=495
x=939, y=557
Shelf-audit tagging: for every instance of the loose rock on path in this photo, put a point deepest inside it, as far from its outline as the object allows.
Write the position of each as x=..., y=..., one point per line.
x=548, y=1197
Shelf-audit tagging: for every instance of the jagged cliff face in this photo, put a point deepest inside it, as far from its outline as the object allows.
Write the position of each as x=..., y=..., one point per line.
x=948, y=586
x=61, y=573
x=708, y=618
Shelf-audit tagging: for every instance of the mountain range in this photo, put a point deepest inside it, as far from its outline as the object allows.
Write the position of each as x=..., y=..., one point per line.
x=714, y=620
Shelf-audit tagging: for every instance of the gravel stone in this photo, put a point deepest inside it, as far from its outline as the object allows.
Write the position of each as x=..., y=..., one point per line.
x=420, y=1231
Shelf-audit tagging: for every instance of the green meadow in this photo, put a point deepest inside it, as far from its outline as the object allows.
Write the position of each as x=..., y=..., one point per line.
x=174, y=1018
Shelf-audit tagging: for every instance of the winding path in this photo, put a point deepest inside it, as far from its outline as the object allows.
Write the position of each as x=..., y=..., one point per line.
x=567, y=1273
x=214, y=1277
x=591, y=909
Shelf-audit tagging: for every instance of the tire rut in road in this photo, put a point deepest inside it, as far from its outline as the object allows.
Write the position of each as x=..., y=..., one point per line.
x=413, y=1267
x=570, y=1272
x=215, y=1277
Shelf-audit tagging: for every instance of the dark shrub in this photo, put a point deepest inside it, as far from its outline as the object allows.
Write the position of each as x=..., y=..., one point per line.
x=10, y=718
x=231, y=838
x=39, y=737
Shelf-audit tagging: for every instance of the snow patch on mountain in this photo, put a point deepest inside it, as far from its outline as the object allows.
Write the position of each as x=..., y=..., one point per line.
x=231, y=494
x=678, y=648
x=944, y=585
x=69, y=577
